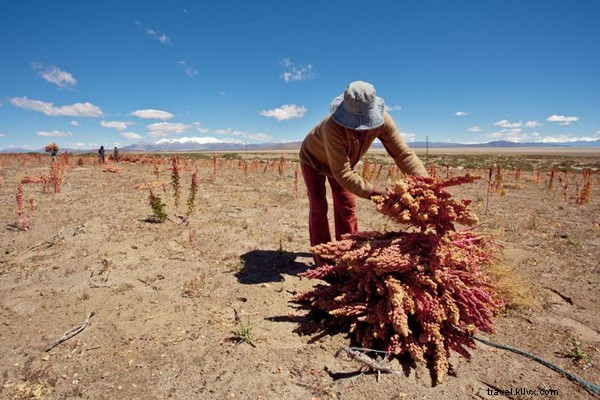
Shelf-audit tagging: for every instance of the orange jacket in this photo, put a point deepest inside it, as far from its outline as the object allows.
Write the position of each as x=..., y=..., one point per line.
x=334, y=150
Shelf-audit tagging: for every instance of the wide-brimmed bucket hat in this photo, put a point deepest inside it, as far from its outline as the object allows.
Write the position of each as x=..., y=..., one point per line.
x=358, y=108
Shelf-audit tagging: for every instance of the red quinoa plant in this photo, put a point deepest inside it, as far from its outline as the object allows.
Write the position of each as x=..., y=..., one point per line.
x=214, y=170
x=22, y=224
x=583, y=197
x=378, y=173
x=281, y=166
x=417, y=292
x=191, y=201
x=296, y=181
x=57, y=170
x=366, y=169
x=175, y=179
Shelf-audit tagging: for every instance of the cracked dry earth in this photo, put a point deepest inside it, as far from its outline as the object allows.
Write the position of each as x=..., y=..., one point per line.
x=201, y=309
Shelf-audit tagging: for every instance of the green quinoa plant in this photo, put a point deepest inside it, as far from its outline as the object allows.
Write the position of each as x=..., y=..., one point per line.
x=158, y=207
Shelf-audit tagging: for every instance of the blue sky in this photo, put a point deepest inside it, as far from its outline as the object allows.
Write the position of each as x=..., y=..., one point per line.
x=90, y=73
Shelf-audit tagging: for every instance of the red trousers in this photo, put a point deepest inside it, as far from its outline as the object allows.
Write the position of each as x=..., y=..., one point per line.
x=344, y=208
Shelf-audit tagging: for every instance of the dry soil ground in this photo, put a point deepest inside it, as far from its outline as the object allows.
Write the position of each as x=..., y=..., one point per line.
x=200, y=309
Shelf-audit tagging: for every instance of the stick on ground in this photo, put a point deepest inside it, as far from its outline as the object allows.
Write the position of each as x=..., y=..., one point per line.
x=361, y=357
x=71, y=332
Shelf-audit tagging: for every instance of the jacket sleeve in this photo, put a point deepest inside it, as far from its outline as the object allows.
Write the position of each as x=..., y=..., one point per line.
x=339, y=162
x=404, y=157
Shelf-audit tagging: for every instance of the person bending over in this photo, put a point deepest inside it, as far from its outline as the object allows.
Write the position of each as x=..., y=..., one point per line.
x=332, y=149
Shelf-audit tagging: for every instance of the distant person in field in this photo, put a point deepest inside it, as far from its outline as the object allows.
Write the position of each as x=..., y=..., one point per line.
x=53, y=153
x=116, y=154
x=101, y=154
x=332, y=149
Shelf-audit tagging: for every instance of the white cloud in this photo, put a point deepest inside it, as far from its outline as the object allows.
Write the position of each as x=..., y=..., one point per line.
x=54, y=134
x=20, y=147
x=532, y=124
x=55, y=75
x=130, y=135
x=227, y=131
x=408, y=136
x=191, y=72
x=2, y=134
x=75, y=123
x=152, y=114
x=73, y=110
x=460, y=113
x=196, y=140
x=474, y=129
x=118, y=125
x=287, y=111
x=292, y=73
x=259, y=137
x=392, y=108
x=287, y=63
x=563, y=120
x=161, y=129
x=81, y=145
x=567, y=139
x=249, y=137
x=507, y=124
x=161, y=37
x=514, y=135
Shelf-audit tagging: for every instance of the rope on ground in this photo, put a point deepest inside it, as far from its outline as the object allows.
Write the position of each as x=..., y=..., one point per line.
x=71, y=332
x=590, y=387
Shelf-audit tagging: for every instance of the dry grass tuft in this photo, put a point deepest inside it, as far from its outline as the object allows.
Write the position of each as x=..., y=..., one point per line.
x=514, y=289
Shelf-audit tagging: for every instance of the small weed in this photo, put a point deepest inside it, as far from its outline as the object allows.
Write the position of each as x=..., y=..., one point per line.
x=533, y=222
x=244, y=334
x=199, y=286
x=237, y=266
x=576, y=351
x=192, y=288
x=572, y=241
x=35, y=382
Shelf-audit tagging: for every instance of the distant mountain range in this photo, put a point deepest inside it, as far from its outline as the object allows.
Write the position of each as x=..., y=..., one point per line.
x=190, y=146
x=141, y=147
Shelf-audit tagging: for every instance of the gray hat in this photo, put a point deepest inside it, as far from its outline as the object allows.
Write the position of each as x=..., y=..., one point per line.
x=358, y=108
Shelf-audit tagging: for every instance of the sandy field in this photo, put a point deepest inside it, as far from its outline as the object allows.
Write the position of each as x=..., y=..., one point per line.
x=200, y=306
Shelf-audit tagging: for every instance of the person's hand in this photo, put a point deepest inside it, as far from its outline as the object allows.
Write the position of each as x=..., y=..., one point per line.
x=379, y=192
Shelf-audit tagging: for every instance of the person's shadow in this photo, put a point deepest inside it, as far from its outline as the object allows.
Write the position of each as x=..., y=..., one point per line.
x=261, y=266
